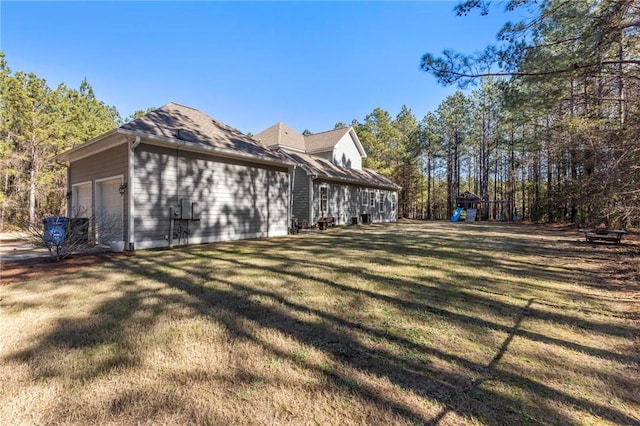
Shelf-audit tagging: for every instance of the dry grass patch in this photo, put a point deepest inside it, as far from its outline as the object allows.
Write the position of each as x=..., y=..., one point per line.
x=406, y=323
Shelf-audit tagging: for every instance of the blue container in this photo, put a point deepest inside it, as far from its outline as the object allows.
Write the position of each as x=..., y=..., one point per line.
x=55, y=228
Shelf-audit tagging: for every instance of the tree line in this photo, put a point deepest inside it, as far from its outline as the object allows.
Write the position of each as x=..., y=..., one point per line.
x=37, y=123
x=550, y=131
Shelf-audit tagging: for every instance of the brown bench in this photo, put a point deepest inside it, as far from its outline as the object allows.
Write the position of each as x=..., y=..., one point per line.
x=610, y=235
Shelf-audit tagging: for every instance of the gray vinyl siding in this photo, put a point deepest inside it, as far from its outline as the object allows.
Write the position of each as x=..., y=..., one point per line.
x=345, y=202
x=237, y=200
x=300, y=209
x=105, y=164
x=387, y=215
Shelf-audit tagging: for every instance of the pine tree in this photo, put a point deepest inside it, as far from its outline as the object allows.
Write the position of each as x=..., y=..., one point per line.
x=37, y=123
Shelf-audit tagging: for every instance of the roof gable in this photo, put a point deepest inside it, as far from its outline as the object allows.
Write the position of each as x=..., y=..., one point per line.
x=324, y=141
x=281, y=134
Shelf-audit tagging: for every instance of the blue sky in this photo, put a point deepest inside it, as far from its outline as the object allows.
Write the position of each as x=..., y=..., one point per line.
x=250, y=65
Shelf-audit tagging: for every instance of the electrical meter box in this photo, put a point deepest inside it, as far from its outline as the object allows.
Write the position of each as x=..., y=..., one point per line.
x=185, y=208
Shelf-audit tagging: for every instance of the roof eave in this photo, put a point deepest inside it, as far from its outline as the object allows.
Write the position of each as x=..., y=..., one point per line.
x=288, y=148
x=319, y=150
x=356, y=182
x=356, y=139
x=91, y=146
x=220, y=152
x=296, y=163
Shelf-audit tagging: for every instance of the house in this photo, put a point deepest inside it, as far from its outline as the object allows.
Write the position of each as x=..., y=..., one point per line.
x=328, y=178
x=177, y=176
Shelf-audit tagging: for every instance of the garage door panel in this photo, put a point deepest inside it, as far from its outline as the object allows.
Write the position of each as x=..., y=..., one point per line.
x=109, y=211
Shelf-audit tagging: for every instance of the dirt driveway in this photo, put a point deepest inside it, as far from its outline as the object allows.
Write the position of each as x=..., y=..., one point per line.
x=15, y=246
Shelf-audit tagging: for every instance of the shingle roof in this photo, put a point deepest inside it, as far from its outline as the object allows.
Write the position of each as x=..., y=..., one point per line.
x=318, y=142
x=187, y=124
x=283, y=135
x=324, y=168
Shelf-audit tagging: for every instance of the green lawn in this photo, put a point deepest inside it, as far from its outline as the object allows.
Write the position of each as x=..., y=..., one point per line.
x=407, y=323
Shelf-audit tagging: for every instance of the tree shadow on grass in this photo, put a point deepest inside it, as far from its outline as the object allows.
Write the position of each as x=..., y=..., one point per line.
x=330, y=338
x=417, y=298
x=219, y=297
x=334, y=337
x=471, y=248
x=102, y=337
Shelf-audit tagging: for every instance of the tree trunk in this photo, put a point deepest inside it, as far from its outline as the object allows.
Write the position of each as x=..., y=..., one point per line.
x=484, y=174
x=32, y=187
x=449, y=180
x=429, y=187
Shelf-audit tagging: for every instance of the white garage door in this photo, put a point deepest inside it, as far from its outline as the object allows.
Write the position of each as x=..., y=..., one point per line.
x=109, y=211
x=81, y=200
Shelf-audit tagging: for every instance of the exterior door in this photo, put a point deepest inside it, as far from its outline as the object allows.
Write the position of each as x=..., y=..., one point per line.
x=324, y=201
x=109, y=211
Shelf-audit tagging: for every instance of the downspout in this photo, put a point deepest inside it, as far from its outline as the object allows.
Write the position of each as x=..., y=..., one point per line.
x=130, y=191
x=69, y=190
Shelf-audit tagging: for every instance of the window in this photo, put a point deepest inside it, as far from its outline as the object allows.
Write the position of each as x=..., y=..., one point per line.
x=365, y=197
x=323, y=201
x=393, y=203
x=381, y=202
x=372, y=197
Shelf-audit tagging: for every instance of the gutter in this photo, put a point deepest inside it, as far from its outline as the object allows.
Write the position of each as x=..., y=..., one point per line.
x=66, y=156
x=312, y=173
x=356, y=182
x=205, y=149
x=152, y=139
